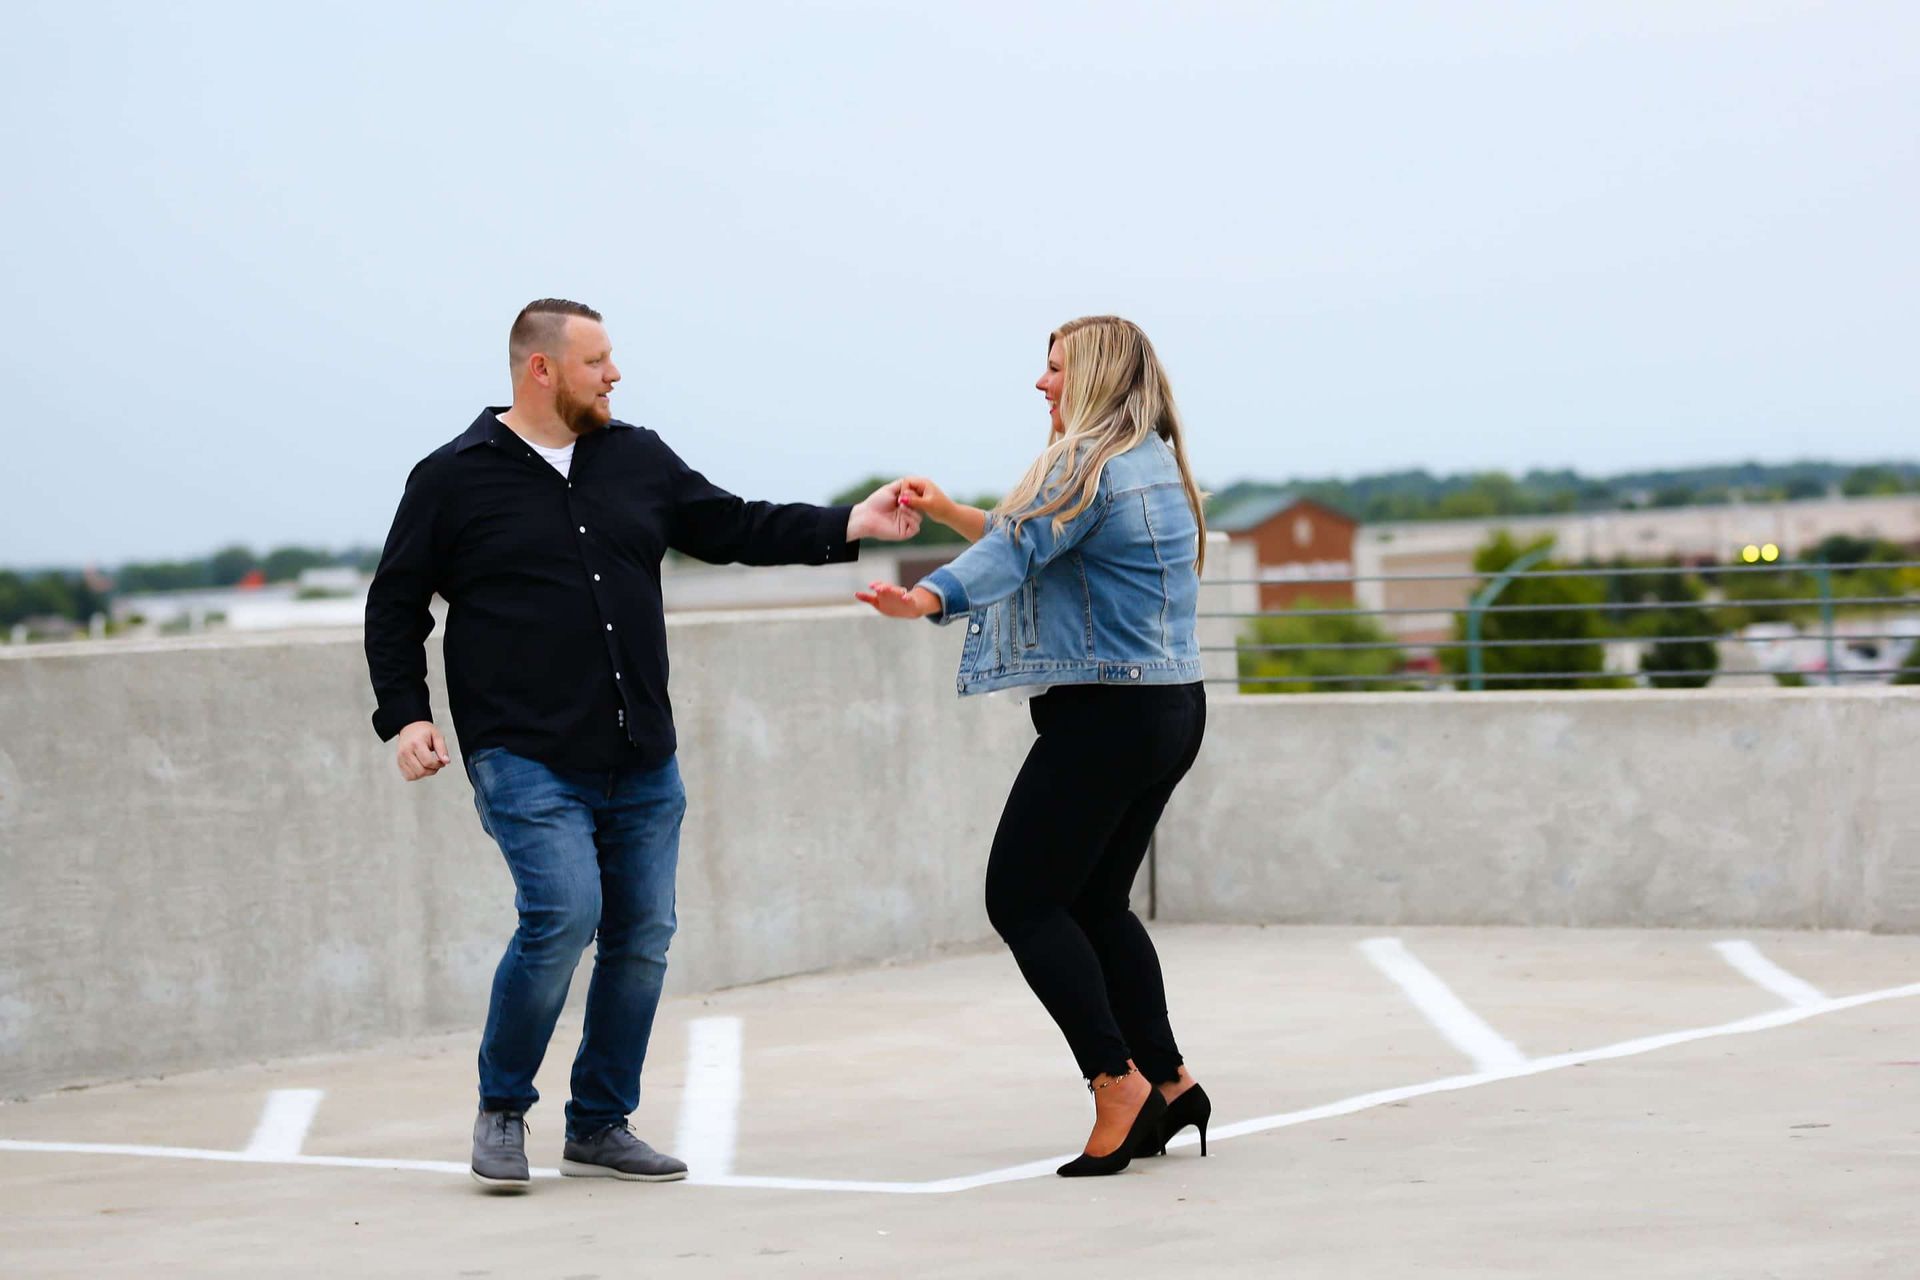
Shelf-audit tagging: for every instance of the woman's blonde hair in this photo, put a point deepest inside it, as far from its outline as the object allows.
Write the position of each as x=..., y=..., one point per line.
x=1114, y=393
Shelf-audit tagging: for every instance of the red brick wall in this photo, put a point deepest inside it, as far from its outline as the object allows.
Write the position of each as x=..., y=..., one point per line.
x=1308, y=535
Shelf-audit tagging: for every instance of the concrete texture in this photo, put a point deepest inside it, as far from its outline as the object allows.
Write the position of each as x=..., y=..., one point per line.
x=1775, y=808
x=1784, y=1151
x=209, y=856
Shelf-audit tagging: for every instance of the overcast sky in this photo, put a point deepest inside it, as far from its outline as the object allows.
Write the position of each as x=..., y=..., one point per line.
x=261, y=258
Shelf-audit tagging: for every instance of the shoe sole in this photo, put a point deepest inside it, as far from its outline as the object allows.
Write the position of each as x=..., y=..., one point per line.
x=501, y=1184
x=580, y=1169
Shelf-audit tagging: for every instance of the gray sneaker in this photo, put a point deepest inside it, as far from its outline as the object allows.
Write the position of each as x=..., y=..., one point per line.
x=500, y=1150
x=615, y=1152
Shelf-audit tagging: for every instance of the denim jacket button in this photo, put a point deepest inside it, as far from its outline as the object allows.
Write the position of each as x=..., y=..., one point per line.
x=1134, y=674
x=974, y=629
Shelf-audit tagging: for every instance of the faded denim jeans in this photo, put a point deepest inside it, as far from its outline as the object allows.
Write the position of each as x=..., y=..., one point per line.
x=591, y=853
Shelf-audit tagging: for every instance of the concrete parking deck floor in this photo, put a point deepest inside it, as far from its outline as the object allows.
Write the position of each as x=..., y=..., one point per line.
x=1454, y=1103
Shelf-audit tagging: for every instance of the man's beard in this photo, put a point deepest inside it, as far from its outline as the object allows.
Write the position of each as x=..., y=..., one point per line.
x=581, y=416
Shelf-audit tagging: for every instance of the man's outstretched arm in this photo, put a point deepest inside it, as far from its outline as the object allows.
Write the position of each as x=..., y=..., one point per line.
x=720, y=528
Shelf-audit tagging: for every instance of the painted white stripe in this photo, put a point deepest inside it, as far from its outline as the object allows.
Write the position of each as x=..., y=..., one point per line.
x=1464, y=1029
x=710, y=1102
x=284, y=1122
x=241, y=1157
x=1043, y=1168
x=1367, y=1101
x=1746, y=957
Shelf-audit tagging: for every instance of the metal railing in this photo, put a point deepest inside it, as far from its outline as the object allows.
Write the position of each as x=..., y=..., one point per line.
x=1816, y=594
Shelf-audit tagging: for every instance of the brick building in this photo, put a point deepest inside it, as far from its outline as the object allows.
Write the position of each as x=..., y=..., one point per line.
x=1303, y=549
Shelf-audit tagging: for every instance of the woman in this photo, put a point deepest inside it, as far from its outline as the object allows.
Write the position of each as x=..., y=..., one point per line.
x=1080, y=590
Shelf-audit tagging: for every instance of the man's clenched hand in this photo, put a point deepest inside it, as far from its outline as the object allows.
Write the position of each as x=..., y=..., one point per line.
x=420, y=751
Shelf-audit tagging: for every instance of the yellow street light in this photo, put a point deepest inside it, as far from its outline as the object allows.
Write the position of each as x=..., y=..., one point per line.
x=1770, y=553
x=1750, y=553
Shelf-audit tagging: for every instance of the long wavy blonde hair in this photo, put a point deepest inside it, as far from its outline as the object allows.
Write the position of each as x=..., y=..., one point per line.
x=1113, y=394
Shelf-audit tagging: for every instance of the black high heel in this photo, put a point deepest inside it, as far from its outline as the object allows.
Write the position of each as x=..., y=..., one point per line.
x=1191, y=1108
x=1145, y=1131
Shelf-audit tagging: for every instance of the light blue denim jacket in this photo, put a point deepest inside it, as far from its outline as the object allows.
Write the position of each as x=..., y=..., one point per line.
x=1110, y=599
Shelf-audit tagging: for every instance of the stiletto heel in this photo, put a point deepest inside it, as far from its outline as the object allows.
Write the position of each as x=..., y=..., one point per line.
x=1143, y=1133
x=1191, y=1108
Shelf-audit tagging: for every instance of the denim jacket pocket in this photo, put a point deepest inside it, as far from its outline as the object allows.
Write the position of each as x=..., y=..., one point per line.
x=1004, y=641
x=1029, y=616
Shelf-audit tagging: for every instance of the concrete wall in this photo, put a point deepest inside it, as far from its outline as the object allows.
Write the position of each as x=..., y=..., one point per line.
x=206, y=855
x=1789, y=808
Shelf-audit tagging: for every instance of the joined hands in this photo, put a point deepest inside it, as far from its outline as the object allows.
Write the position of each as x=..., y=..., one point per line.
x=917, y=496
x=884, y=516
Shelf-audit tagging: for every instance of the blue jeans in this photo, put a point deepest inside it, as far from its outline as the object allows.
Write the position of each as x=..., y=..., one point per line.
x=589, y=852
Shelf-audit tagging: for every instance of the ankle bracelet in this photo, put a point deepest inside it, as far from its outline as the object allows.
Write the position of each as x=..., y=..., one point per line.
x=1111, y=1079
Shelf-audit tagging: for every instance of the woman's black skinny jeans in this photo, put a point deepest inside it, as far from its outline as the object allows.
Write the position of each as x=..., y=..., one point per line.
x=1073, y=835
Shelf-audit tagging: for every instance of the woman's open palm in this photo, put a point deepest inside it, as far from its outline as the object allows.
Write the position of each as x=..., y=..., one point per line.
x=894, y=601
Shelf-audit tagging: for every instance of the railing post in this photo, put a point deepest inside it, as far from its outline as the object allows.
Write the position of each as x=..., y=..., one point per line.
x=1476, y=666
x=1823, y=579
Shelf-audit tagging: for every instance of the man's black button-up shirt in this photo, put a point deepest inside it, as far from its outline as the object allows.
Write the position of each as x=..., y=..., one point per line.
x=556, y=644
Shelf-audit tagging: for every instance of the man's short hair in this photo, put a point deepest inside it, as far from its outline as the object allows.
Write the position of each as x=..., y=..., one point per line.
x=539, y=327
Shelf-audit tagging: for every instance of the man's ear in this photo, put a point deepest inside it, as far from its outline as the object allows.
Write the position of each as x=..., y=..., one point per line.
x=540, y=368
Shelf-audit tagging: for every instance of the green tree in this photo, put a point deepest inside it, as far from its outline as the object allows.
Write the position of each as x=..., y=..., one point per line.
x=1872, y=482
x=230, y=564
x=163, y=575
x=1752, y=592
x=13, y=598
x=51, y=594
x=283, y=564
x=1667, y=628
x=1534, y=666
x=1696, y=659
x=1487, y=493
x=1844, y=548
x=1293, y=670
x=1909, y=672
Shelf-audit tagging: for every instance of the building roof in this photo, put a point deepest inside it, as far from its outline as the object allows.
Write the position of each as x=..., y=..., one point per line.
x=1248, y=514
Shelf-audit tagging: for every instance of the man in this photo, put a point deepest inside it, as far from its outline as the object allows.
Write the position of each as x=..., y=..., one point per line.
x=543, y=526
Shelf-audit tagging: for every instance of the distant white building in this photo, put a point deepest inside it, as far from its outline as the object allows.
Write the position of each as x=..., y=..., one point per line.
x=333, y=597
x=1707, y=535
x=337, y=597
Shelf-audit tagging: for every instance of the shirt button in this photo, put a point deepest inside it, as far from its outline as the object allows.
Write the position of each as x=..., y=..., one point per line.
x=583, y=528
x=616, y=675
x=609, y=626
x=596, y=577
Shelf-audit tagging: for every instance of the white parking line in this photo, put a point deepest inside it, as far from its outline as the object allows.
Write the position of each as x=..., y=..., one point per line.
x=1746, y=957
x=284, y=1122
x=242, y=1157
x=1041, y=1168
x=1464, y=1029
x=710, y=1103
